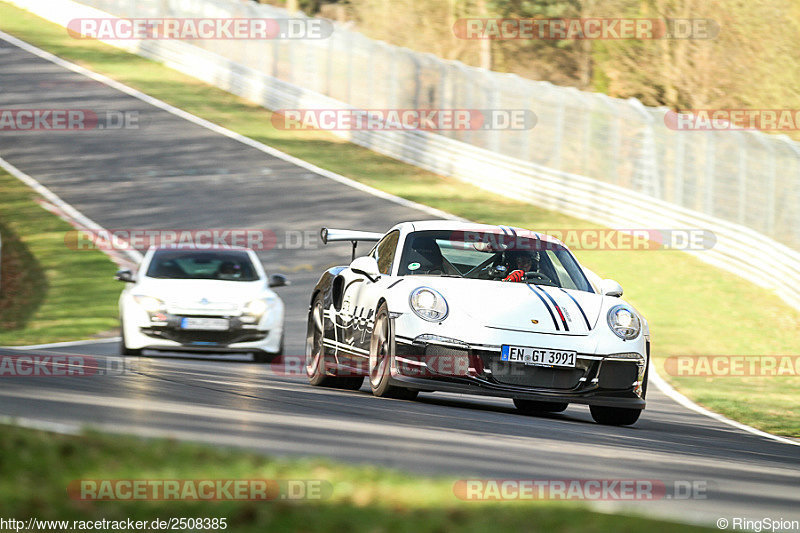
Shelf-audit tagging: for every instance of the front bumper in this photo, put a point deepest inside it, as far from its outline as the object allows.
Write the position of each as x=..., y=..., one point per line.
x=606, y=380
x=167, y=334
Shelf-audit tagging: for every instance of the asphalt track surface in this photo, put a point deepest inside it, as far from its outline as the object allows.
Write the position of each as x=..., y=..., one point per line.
x=171, y=173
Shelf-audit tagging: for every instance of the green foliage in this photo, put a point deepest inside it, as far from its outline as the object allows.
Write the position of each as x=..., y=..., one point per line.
x=50, y=292
x=37, y=467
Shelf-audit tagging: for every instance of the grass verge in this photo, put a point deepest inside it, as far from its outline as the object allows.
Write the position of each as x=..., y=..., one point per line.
x=37, y=468
x=693, y=308
x=49, y=292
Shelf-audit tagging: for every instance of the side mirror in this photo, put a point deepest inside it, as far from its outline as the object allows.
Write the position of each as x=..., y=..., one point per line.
x=124, y=275
x=366, y=266
x=278, y=280
x=609, y=287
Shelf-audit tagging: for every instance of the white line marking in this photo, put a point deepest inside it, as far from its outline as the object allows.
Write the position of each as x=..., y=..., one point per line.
x=658, y=380
x=54, y=199
x=224, y=131
x=43, y=425
x=65, y=344
x=668, y=390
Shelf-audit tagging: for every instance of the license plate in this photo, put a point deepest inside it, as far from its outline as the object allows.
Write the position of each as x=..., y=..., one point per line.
x=209, y=324
x=537, y=356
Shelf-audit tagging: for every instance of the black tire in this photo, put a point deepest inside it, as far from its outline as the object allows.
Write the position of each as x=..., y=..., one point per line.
x=381, y=357
x=614, y=416
x=532, y=407
x=261, y=357
x=353, y=383
x=316, y=360
x=123, y=348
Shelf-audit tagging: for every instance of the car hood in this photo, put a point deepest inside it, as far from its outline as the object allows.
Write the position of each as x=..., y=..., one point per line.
x=521, y=306
x=201, y=294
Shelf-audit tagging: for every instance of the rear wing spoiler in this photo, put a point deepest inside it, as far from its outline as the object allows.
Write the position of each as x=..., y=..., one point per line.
x=345, y=235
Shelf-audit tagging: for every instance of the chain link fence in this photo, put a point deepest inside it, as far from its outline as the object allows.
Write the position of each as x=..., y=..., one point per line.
x=748, y=178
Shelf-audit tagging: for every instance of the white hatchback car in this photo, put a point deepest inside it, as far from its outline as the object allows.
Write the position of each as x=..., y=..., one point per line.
x=205, y=301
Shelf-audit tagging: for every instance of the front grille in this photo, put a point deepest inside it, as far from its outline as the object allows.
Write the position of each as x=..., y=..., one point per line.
x=219, y=338
x=535, y=376
x=447, y=361
x=437, y=349
x=618, y=374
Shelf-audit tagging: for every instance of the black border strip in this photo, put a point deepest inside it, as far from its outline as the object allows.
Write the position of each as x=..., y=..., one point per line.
x=588, y=326
x=555, y=322
x=560, y=313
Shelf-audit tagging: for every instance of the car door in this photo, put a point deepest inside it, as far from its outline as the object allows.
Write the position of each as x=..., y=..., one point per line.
x=360, y=300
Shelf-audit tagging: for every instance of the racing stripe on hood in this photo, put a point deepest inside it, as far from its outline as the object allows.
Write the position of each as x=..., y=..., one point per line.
x=558, y=309
x=588, y=326
x=555, y=322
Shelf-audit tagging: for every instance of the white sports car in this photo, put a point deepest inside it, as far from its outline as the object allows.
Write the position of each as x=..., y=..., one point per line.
x=500, y=311
x=207, y=301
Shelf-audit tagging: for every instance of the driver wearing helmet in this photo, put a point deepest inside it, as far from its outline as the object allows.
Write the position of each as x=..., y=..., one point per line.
x=519, y=263
x=229, y=269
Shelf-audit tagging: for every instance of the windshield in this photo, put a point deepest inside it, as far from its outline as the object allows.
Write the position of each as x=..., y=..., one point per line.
x=202, y=264
x=491, y=256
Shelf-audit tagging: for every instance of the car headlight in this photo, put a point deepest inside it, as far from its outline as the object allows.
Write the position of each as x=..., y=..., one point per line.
x=624, y=322
x=256, y=307
x=428, y=304
x=148, y=303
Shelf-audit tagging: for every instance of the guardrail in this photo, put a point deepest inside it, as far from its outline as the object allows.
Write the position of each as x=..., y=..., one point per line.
x=739, y=249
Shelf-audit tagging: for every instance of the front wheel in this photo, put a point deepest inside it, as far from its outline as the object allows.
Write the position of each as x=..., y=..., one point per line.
x=614, y=416
x=381, y=356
